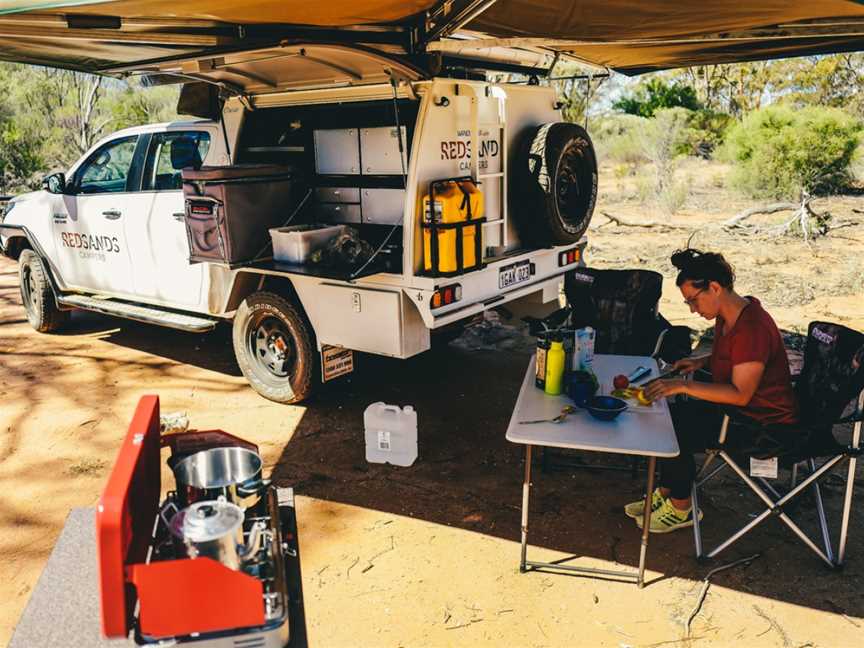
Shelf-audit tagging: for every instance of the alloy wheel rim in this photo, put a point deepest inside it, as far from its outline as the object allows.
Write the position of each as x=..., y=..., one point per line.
x=271, y=345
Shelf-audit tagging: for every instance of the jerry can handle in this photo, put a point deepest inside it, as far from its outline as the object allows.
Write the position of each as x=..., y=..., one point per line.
x=392, y=408
x=441, y=181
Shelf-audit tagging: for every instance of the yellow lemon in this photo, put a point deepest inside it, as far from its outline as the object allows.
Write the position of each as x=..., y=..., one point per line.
x=642, y=398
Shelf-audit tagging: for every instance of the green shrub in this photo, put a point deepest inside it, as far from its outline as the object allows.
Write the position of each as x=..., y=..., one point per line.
x=778, y=152
x=656, y=94
x=706, y=131
x=616, y=138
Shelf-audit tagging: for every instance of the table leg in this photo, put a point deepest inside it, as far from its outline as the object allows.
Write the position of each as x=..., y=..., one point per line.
x=526, y=485
x=646, y=521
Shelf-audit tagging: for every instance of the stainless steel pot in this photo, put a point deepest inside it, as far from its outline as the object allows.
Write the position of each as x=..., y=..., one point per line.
x=214, y=529
x=233, y=473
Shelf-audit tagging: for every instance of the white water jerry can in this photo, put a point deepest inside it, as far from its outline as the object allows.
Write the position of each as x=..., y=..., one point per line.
x=391, y=434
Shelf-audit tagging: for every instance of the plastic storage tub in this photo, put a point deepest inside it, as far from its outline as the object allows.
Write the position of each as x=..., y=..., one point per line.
x=295, y=243
x=391, y=434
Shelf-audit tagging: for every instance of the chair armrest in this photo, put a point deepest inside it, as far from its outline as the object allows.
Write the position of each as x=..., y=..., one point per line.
x=854, y=417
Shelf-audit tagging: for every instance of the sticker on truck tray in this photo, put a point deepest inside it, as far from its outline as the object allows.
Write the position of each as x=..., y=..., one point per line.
x=513, y=274
x=335, y=361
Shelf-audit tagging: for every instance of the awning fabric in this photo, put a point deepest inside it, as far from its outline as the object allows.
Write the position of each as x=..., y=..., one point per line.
x=630, y=36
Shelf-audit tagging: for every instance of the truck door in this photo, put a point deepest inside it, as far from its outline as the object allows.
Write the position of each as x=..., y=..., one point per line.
x=160, y=254
x=90, y=241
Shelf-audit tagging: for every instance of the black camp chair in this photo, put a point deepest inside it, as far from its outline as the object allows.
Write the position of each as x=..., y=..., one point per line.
x=831, y=378
x=622, y=307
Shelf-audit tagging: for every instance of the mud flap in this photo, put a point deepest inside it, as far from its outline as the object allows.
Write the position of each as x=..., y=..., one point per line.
x=335, y=361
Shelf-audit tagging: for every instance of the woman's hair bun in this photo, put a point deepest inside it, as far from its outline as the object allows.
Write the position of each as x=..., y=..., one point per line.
x=702, y=267
x=682, y=259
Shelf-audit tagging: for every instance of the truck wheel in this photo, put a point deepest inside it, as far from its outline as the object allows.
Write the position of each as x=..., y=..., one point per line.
x=556, y=182
x=36, y=294
x=274, y=347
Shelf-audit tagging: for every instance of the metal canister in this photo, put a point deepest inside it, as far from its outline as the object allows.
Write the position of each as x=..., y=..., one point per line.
x=540, y=362
x=211, y=529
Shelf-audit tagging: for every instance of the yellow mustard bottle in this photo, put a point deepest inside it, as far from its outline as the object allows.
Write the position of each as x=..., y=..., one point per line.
x=555, y=359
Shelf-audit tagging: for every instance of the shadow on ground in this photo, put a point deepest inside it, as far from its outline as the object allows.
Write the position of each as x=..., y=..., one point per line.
x=468, y=476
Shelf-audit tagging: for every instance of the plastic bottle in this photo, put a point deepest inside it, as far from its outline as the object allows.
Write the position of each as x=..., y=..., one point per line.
x=555, y=361
x=391, y=434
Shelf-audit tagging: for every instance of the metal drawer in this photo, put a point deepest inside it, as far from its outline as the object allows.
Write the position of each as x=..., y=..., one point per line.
x=383, y=206
x=337, y=194
x=338, y=213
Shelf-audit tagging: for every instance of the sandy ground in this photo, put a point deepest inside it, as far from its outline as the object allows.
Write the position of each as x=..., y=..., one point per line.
x=428, y=555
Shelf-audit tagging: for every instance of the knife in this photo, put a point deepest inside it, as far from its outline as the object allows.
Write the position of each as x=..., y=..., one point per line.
x=668, y=374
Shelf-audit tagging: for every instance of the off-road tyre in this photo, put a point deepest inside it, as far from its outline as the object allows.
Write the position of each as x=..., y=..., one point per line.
x=292, y=380
x=37, y=296
x=555, y=184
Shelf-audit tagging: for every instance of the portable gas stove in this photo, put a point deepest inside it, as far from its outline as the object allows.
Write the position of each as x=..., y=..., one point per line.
x=149, y=584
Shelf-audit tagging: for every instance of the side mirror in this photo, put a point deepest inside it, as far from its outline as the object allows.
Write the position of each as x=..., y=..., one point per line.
x=55, y=183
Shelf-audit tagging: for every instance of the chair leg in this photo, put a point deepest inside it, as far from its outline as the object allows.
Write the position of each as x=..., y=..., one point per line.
x=697, y=529
x=710, y=455
x=775, y=508
x=847, y=509
x=820, y=510
x=794, y=477
x=768, y=487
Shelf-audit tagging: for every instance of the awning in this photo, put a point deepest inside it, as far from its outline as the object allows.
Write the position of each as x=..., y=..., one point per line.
x=630, y=36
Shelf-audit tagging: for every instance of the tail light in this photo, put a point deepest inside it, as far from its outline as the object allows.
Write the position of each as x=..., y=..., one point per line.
x=446, y=295
x=568, y=256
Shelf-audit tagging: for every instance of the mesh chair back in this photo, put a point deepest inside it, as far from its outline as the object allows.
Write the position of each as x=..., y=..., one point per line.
x=620, y=304
x=832, y=375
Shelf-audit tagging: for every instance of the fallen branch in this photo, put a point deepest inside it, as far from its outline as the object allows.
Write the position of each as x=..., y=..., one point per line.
x=773, y=208
x=648, y=224
x=707, y=583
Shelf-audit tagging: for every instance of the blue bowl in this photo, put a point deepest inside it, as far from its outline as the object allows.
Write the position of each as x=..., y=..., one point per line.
x=605, y=408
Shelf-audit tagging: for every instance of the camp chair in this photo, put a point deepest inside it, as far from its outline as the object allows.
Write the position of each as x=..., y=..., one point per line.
x=831, y=378
x=622, y=306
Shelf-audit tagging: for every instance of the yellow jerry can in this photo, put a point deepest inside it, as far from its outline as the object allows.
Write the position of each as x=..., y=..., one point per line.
x=452, y=232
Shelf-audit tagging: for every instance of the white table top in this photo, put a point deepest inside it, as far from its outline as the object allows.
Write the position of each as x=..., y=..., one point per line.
x=647, y=433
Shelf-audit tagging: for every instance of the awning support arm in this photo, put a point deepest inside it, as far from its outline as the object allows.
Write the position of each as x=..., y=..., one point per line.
x=447, y=16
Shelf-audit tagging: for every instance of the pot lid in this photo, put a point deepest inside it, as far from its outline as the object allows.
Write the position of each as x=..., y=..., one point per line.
x=207, y=520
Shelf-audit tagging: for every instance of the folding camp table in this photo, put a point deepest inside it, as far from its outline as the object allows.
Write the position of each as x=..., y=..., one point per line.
x=644, y=432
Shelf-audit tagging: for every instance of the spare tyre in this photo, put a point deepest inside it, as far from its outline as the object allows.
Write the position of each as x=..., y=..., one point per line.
x=555, y=184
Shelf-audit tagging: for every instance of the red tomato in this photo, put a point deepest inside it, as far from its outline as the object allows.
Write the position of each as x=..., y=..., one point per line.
x=620, y=382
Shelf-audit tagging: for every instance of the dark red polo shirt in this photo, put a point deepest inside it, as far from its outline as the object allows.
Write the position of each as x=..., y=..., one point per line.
x=755, y=338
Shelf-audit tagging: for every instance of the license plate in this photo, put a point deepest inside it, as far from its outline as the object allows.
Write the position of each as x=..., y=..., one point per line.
x=335, y=362
x=514, y=274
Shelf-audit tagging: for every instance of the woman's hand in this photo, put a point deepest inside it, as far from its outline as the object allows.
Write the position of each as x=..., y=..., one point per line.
x=688, y=365
x=663, y=388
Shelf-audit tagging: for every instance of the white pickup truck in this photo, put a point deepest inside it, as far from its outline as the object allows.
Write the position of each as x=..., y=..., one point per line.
x=110, y=235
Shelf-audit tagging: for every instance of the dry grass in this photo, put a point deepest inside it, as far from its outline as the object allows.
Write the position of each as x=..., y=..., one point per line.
x=796, y=283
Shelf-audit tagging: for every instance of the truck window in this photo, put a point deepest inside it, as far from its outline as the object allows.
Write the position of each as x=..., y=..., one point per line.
x=169, y=154
x=107, y=169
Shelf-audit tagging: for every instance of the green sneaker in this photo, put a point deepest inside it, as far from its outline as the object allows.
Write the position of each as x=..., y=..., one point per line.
x=668, y=518
x=636, y=509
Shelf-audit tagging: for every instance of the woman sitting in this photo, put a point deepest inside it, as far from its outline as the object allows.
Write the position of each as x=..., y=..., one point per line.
x=750, y=377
